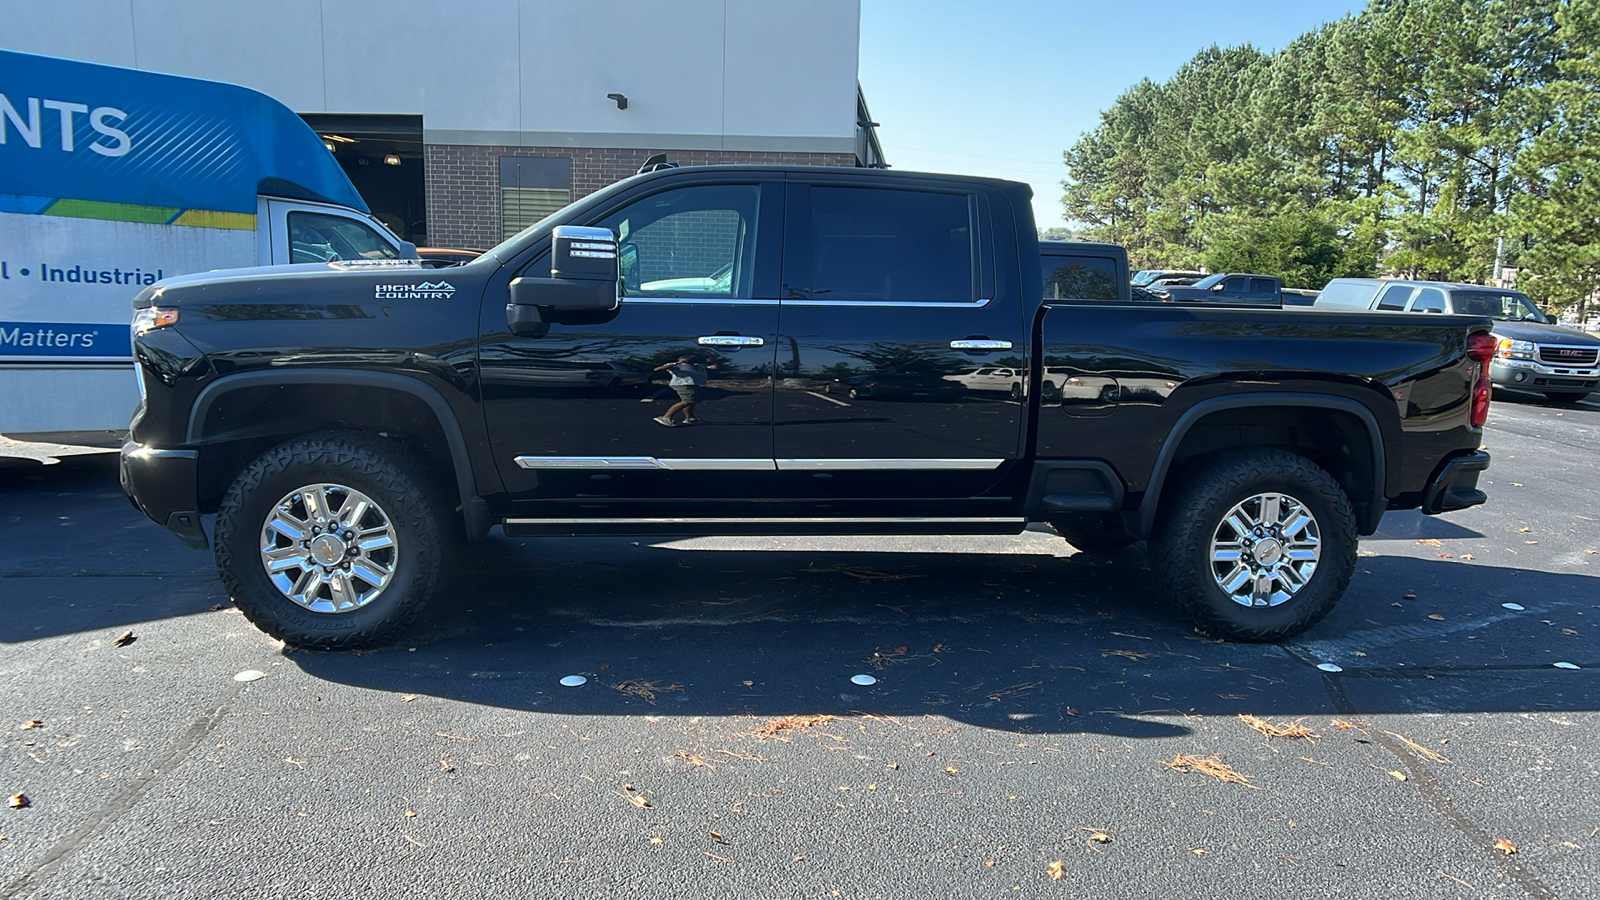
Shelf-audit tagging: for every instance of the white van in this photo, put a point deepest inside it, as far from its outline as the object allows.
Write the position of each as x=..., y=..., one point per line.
x=112, y=179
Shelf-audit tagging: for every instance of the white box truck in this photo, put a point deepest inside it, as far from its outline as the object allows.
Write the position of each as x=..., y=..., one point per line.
x=112, y=179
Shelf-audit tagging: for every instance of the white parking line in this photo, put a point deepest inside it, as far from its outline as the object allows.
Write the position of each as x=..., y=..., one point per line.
x=827, y=398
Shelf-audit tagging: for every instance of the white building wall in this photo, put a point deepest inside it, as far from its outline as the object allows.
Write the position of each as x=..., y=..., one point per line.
x=698, y=74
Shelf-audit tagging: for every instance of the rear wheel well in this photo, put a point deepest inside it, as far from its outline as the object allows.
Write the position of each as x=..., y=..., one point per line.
x=246, y=422
x=1334, y=439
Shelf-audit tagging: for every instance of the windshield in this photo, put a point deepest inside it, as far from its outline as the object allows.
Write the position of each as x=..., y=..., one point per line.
x=1507, y=306
x=1210, y=280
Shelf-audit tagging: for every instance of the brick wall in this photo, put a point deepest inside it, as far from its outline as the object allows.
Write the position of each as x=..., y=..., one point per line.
x=464, y=181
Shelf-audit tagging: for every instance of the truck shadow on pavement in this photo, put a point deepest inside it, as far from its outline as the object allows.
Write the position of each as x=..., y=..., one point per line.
x=1025, y=642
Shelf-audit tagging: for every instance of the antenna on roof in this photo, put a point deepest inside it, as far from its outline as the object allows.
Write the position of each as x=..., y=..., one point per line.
x=656, y=163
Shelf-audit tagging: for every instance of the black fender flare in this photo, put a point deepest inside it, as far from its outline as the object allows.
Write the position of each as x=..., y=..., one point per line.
x=473, y=507
x=1145, y=515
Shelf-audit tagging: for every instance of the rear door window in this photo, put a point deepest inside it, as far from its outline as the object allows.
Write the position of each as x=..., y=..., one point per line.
x=1262, y=287
x=1394, y=296
x=885, y=245
x=1079, y=278
x=1428, y=300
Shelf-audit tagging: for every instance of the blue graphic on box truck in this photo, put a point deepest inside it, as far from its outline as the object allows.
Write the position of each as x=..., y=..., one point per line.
x=112, y=179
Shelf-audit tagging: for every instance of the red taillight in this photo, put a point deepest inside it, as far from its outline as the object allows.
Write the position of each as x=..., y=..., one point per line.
x=1481, y=348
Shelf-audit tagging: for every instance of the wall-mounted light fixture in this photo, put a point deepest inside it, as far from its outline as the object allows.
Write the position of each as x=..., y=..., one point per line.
x=622, y=100
x=391, y=159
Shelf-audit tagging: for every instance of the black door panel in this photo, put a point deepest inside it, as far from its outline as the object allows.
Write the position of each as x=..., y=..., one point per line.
x=901, y=376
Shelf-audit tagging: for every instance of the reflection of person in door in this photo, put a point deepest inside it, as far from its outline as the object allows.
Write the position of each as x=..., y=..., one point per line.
x=688, y=376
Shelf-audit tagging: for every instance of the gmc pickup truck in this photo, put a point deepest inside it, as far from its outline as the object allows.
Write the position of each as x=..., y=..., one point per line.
x=350, y=423
x=1535, y=353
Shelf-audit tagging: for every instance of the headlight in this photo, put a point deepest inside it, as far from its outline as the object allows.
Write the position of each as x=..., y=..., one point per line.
x=1510, y=349
x=152, y=317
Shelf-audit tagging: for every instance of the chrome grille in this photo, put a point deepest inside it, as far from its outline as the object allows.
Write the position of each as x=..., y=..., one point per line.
x=1568, y=356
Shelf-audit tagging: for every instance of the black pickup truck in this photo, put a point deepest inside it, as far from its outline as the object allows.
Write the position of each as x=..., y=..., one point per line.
x=350, y=423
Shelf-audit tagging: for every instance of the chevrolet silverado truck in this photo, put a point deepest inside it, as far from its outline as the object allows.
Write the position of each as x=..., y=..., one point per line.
x=352, y=424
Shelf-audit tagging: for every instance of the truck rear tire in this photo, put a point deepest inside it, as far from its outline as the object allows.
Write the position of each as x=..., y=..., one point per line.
x=1255, y=545
x=333, y=541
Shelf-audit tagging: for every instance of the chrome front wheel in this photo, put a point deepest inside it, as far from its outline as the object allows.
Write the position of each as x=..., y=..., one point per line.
x=329, y=548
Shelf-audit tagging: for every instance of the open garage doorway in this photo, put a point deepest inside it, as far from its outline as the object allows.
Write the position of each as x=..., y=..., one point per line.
x=383, y=157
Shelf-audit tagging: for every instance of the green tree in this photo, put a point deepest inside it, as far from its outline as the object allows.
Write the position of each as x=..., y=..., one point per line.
x=1560, y=214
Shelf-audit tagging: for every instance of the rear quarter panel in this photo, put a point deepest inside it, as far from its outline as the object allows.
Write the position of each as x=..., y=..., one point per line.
x=1409, y=371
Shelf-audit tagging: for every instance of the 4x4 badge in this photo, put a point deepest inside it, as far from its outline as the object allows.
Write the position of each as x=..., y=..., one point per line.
x=428, y=290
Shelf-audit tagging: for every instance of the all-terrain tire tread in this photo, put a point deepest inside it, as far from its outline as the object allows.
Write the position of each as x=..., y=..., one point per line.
x=1179, y=537
x=387, y=464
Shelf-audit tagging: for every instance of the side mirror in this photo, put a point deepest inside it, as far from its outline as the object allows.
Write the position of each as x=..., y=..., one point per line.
x=583, y=282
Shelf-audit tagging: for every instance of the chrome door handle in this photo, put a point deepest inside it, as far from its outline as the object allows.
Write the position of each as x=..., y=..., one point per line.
x=980, y=345
x=730, y=340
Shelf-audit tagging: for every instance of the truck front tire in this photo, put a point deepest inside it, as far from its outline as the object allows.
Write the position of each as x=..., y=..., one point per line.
x=333, y=541
x=1255, y=545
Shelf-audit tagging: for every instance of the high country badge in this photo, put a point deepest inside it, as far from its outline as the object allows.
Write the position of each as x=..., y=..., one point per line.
x=428, y=290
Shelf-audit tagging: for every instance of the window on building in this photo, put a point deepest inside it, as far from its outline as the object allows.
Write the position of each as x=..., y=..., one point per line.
x=1079, y=278
x=315, y=238
x=530, y=189
x=880, y=244
x=690, y=242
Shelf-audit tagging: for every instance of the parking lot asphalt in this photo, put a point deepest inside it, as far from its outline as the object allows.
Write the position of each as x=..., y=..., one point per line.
x=1029, y=702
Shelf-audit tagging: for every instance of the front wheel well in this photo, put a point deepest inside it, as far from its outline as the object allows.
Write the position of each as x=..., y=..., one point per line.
x=242, y=424
x=1337, y=440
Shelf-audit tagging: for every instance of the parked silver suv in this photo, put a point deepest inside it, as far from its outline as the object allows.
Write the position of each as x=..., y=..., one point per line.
x=1535, y=354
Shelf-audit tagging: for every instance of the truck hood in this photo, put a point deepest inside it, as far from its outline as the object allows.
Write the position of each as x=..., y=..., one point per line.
x=1541, y=333
x=259, y=281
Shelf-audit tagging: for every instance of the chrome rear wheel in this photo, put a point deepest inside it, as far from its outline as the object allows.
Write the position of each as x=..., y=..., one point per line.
x=1265, y=549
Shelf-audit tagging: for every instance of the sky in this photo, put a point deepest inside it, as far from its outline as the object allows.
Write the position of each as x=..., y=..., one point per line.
x=1002, y=87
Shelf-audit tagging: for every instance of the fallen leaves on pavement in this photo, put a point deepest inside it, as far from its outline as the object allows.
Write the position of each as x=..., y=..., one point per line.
x=1424, y=752
x=1505, y=846
x=19, y=801
x=32, y=724
x=124, y=639
x=1399, y=776
x=1126, y=654
x=1057, y=871
x=694, y=759
x=445, y=765
x=645, y=690
x=1005, y=692
x=776, y=727
x=1290, y=730
x=880, y=658
x=1097, y=836
x=637, y=800
x=1208, y=765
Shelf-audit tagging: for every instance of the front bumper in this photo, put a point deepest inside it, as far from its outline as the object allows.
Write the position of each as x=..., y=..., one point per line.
x=1533, y=376
x=162, y=484
x=1455, y=485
